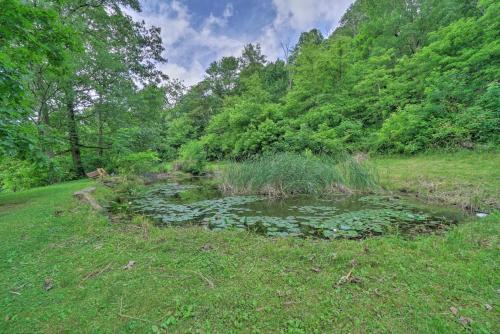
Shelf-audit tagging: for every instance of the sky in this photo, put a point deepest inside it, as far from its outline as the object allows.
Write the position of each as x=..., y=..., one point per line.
x=198, y=32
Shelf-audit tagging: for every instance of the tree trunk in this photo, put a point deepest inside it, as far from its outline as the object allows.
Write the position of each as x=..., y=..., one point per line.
x=41, y=92
x=73, y=138
x=43, y=129
x=101, y=131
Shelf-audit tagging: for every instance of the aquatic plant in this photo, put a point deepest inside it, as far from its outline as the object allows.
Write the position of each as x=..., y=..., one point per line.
x=351, y=225
x=344, y=217
x=356, y=174
x=287, y=174
x=160, y=203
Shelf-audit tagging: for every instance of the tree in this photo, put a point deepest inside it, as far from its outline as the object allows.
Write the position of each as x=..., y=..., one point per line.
x=222, y=76
x=94, y=77
x=397, y=75
x=29, y=36
x=252, y=60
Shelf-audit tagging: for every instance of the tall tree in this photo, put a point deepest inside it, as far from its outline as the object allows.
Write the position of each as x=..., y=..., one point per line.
x=222, y=76
x=118, y=53
x=30, y=36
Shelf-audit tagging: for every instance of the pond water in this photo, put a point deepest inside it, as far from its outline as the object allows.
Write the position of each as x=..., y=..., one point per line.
x=199, y=202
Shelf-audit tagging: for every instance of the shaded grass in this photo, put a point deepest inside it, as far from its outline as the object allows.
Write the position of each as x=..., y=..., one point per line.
x=469, y=180
x=190, y=280
x=285, y=174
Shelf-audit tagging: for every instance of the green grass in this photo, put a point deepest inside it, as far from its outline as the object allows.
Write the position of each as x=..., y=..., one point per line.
x=470, y=180
x=193, y=280
x=285, y=174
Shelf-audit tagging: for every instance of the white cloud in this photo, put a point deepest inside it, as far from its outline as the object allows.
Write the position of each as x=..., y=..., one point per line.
x=212, y=20
x=173, y=18
x=304, y=14
x=299, y=16
x=191, y=74
x=183, y=41
x=228, y=11
x=190, y=48
x=271, y=43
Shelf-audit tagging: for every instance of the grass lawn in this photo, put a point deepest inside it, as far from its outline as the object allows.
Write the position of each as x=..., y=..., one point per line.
x=61, y=270
x=470, y=180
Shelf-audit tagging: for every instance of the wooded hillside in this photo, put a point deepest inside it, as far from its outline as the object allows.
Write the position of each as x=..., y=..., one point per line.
x=81, y=89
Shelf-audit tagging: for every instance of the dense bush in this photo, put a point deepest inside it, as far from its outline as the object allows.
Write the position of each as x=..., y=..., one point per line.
x=192, y=157
x=401, y=132
x=137, y=163
x=16, y=175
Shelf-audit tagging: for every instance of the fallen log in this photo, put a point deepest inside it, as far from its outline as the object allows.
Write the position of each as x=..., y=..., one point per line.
x=85, y=196
x=98, y=173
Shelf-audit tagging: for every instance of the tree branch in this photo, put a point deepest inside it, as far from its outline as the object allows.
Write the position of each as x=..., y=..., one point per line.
x=95, y=147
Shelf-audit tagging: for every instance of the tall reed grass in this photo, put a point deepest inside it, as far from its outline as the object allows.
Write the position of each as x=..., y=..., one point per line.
x=288, y=174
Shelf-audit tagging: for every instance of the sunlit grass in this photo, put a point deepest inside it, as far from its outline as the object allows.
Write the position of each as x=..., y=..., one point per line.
x=469, y=180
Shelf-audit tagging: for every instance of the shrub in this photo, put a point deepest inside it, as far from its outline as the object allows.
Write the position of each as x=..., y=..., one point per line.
x=137, y=163
x=192, y=157
x=16, y=175
x=286, y=174
x=402, y=132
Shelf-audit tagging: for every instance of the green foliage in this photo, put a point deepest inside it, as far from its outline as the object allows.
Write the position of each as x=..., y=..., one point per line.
x=16, y=175
x=192, y=157
x=19, y=175
x=79, y=81
x=396, y=76
x=29, y=36
x=401, y=132
x=137, y=163
x=285, y=174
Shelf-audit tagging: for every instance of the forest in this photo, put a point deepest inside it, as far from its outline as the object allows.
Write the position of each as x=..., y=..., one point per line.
x=350, y=185
x=81, y=89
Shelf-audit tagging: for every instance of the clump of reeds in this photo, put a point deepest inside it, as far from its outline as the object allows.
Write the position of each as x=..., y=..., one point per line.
x=288, y=174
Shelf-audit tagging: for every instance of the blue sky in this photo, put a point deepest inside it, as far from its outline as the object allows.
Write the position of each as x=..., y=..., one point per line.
x=197, y=32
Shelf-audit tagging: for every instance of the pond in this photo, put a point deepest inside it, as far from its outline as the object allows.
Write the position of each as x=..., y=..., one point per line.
x=198, y=201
